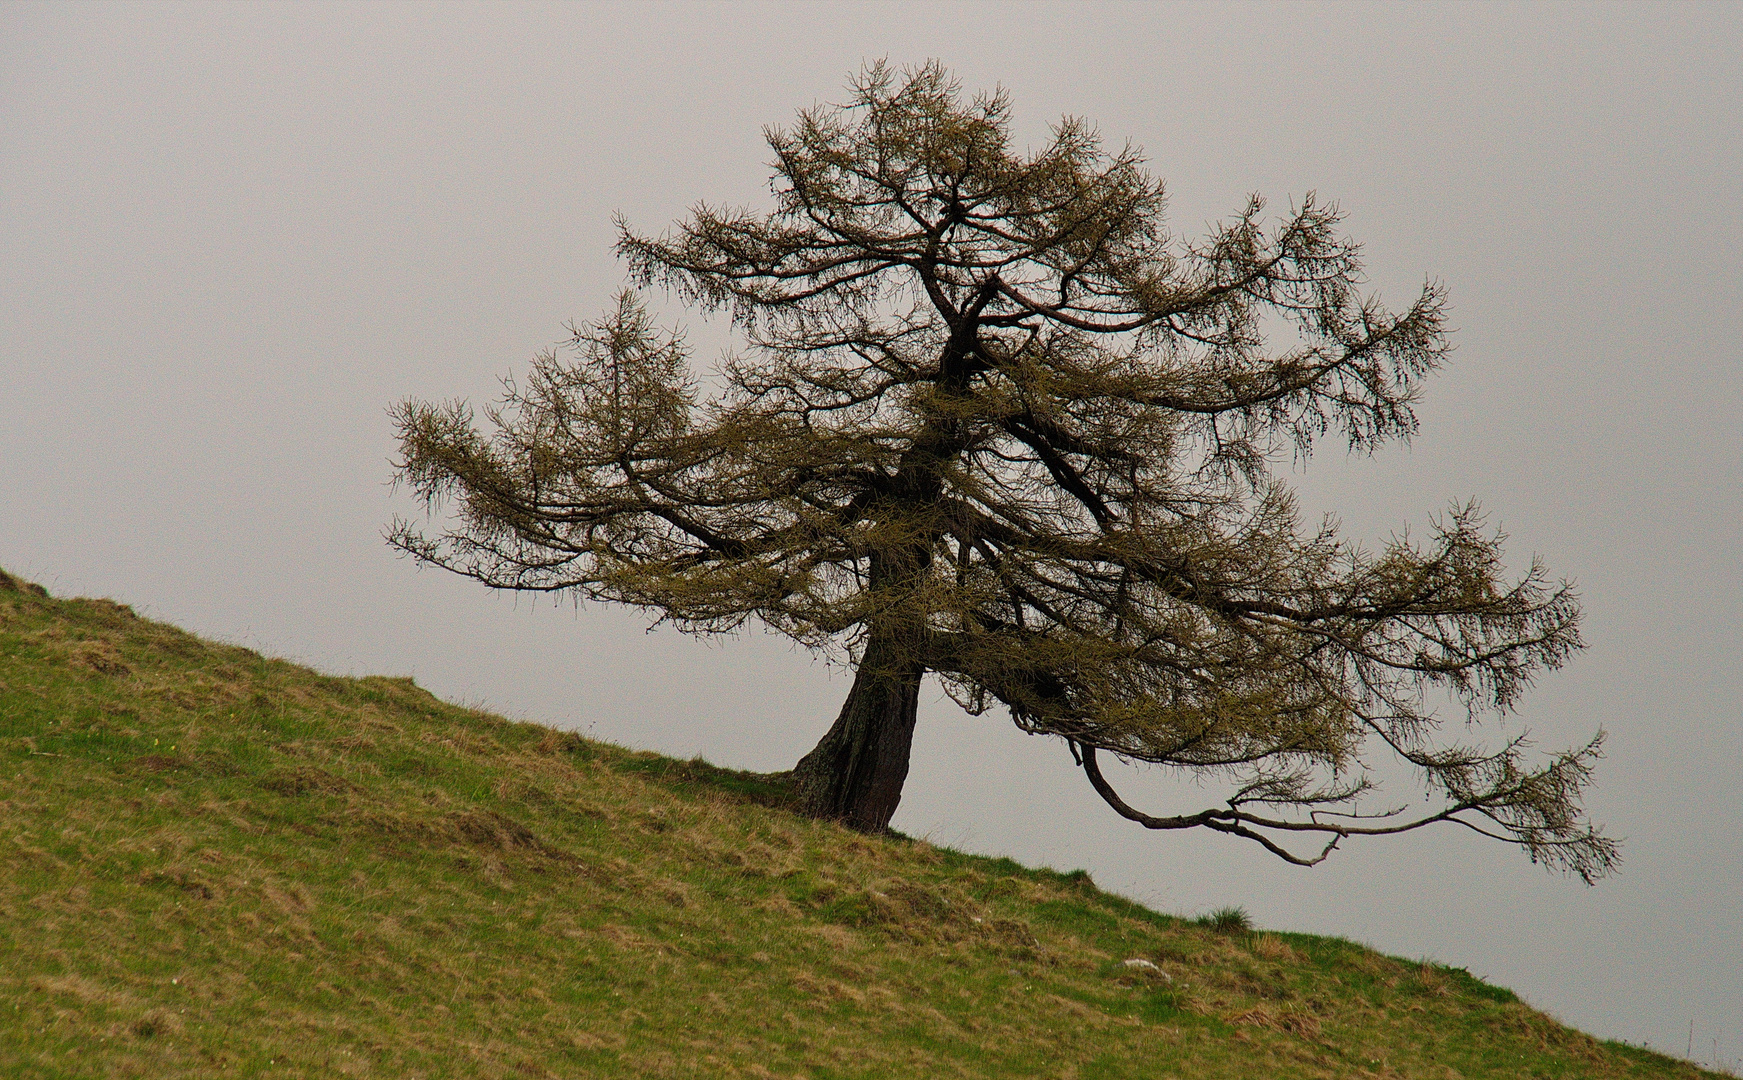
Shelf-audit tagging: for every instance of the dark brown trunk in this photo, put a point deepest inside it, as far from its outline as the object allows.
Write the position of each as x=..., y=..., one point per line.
x=855, y=773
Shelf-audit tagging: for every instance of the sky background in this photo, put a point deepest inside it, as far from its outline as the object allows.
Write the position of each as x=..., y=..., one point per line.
x=231, y=236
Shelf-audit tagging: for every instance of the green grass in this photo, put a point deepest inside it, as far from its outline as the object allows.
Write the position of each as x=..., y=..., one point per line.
x=217, y=864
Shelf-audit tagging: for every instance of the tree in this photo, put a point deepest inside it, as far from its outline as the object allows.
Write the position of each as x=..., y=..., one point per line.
x=992, y=423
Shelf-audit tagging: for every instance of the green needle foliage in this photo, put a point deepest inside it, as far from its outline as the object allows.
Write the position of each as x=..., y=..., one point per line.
x=216, y=864
x=991, y=422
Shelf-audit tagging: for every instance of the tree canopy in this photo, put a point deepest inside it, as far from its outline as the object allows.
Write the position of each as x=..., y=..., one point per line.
x=991, y=421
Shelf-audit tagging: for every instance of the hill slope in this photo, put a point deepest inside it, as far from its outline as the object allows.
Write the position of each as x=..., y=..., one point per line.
x=217, y=864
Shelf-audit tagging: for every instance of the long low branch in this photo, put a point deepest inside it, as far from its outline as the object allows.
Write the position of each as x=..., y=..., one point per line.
x=1236, y=822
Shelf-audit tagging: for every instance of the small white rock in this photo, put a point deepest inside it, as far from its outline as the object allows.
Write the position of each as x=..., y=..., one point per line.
x=1140, y=964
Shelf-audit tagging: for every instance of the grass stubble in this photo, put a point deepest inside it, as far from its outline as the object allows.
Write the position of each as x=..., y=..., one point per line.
x=217, y=864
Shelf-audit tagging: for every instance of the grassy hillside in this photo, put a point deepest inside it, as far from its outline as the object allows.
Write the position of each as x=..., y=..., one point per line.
x=217, y=864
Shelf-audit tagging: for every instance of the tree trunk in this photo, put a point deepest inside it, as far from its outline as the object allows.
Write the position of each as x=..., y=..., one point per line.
x=854, y=775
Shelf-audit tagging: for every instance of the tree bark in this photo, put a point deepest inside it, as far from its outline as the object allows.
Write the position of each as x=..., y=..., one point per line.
x=855, y=773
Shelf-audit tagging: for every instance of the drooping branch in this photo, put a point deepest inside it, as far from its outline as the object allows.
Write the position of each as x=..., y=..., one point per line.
x=1513, y=804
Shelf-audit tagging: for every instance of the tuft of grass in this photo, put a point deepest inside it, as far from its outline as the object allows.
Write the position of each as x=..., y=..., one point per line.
x=1228, y=920
x=217, y=864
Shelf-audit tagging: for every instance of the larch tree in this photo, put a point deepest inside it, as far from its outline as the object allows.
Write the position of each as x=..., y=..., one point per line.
x=990, y=421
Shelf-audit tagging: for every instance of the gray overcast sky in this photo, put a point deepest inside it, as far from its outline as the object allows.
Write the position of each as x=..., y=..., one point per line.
x=231, y=235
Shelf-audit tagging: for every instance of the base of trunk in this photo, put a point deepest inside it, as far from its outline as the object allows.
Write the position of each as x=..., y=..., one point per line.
x=855, y=773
